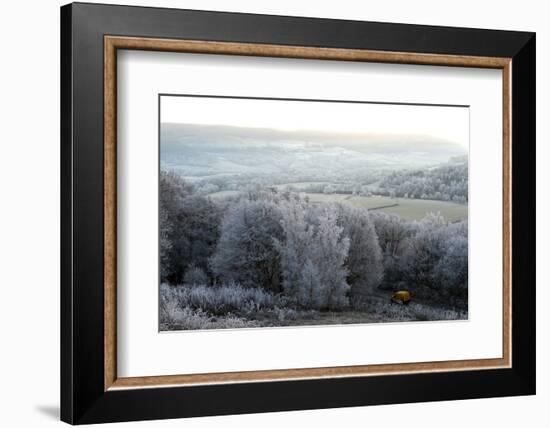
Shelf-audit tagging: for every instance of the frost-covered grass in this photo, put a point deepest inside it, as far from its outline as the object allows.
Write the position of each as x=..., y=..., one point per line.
x=176, y=314
x=220, y=300
x=390, y=312
x=173, y=317
x=196, y=307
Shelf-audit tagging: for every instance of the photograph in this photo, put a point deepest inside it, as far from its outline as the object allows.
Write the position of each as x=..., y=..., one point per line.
x=290, y=212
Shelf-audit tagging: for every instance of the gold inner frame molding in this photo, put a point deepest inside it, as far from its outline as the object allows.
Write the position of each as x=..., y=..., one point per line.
x=113, y=43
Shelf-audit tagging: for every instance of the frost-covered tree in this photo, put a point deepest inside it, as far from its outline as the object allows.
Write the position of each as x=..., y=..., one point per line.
x=246, y=252
x=452, y=270
x=364, y=261
x=435, y=261
x=330, y=255
x=424, y=251
x=293, y=248
x=393, y=233
x=196, y=234
x=207, y=188
x=172, y=191
x=448, y=182
x=188, y=228
x=313, y=254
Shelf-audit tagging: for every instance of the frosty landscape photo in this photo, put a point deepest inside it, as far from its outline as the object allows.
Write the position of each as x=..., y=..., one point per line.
x=277, y=213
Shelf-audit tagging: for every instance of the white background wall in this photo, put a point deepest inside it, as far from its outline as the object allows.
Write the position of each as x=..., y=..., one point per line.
x=29, y=212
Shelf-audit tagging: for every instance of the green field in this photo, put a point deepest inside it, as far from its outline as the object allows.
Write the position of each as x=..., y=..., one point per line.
x=410, y=209
x=223, y=194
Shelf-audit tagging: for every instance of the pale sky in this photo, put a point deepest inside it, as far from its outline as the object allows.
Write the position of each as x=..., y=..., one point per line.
x=448, y=123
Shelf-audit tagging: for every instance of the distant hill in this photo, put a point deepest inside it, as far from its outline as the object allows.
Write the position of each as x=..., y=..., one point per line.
x=197, y=150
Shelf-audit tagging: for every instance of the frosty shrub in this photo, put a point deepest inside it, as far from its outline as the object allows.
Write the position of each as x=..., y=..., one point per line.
x=173, y=317
x=230, y=298
x=177, y=318
x=183, y=309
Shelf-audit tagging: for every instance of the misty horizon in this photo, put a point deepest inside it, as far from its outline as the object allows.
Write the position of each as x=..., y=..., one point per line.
x=198, y=150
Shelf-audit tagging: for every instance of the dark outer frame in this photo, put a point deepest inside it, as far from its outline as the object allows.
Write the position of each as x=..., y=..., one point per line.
x=83, y=398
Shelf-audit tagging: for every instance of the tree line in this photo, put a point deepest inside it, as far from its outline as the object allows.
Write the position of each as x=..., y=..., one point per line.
x=445, y=183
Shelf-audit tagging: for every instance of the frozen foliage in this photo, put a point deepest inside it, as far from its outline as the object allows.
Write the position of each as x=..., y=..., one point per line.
x=246, y=252
x=199, y=307
x=188, y=228
x=393, y=234
x=364, y=260
x=172, y=192
x=175, y=317
x=452, y=268
x=312, y=253
x=429, y=257
x=435, y=261
x=313, y=256
x=447, y=182
x=220, y=300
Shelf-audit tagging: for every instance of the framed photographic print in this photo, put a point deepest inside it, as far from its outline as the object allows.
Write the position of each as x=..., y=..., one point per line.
x=265, y=213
